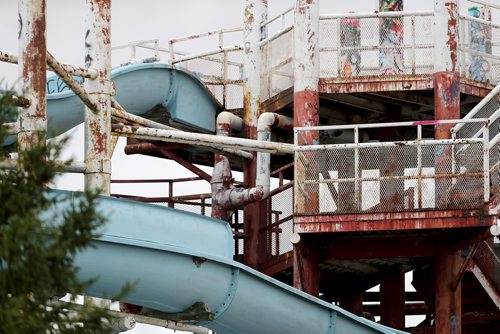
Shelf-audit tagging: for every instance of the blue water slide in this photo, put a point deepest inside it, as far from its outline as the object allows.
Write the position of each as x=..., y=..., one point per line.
x=139, y=89
x=177, y=258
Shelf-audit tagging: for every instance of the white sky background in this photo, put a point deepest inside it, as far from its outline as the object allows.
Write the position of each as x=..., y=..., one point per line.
x=137, y=20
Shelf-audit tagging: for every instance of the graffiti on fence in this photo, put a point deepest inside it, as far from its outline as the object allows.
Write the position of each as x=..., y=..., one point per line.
x=350, y=37
x=391, y=59
x=480, y=40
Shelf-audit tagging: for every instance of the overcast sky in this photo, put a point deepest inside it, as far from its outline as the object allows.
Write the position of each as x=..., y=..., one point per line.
x=136, y=20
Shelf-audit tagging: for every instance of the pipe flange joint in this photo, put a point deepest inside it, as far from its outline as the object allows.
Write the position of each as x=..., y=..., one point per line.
x=31, y=123
x=98, y=166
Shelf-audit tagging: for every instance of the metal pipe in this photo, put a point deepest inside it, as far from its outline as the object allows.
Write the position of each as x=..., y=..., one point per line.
x=33, y=49
x=72, y=83
x=98, y=122
x=72, y=70
x=486, y=3
x=73, y=167
x=199, y=139
x=266, y=122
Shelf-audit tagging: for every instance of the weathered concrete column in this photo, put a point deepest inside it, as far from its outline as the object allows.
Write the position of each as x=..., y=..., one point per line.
x=306, y=113
x=392, y=301
x=32, y=60
x=255, y=246
x=98, y=122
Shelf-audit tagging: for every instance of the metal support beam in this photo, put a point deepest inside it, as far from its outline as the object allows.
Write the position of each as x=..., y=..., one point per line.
x=392, y=301
x=306, y=266
x=98, y=123
x=254, y=215
x=33, y=49
x=448, y=303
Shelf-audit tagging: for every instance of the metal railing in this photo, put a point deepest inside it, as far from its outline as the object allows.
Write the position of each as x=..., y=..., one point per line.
x=392, y=176
x=384, y=43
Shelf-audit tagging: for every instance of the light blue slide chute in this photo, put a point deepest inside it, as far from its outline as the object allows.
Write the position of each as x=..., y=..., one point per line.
x=177, y=258
x=139, y=89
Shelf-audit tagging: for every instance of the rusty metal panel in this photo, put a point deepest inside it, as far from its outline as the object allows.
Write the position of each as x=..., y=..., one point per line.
x=376, y=84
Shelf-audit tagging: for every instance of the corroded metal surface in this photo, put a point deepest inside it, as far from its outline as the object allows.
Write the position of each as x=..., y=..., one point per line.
x=98, y=122
x=33, y=48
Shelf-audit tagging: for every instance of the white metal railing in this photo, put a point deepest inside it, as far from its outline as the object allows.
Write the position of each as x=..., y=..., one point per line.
x=391, y=176
x=383, y=43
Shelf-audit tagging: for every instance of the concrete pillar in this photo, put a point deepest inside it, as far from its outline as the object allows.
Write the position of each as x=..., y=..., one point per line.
x=98, y=123
x=392, y=301
x=32, y=62
x=448, y=304
x=254, y=219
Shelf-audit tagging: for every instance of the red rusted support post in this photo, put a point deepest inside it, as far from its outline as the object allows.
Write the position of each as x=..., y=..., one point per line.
x=306, y=113
x=306, y=265
x=448, y=303
x=392, y=301
x=98, y=122
x=32, y=51
x=352, y=303
x=446, y=72
x=254, y=216
x=446, y=106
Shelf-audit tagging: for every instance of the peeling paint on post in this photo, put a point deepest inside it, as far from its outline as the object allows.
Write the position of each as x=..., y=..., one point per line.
x=446, y=106
x=32, y=50
x=306, y=113
x=98, y=123
x=306, y=78
x=254, y=215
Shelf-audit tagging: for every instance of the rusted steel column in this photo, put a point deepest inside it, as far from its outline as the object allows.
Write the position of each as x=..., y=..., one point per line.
x=254, y=218
x=448, y=304
x=32, y=50
x=392, y=301
x=306, y=113
x=446, y=71
x=98, y=123
x=306, y=265
x=446, y=86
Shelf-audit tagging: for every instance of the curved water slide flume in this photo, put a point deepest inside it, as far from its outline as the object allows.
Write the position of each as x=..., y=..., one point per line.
x=177, y=258
x=139, y=89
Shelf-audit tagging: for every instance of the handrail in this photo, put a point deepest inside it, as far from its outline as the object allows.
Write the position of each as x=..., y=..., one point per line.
x=277, y=16
x=477, y=108
x=376, y=15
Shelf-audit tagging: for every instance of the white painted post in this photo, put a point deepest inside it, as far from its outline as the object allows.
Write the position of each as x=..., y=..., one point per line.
x=98, y=122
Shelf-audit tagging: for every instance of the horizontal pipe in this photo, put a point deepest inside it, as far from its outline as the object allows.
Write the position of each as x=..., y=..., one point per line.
x=72, y=70
x=119, y=113
x=170, y=324
x=198, y=139
x=73, y=167
x=184, y=179
x=11, y=128
x=491, y=95
x=207, y=53
x=72, y=83
x=275, y=36
x=376, y=15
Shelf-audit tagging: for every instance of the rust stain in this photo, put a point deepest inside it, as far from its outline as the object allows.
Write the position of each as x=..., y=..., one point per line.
x=99, y=137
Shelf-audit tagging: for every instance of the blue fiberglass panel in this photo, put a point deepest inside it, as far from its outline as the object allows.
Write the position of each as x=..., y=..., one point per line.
x=175, y=259
x=192, y=104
